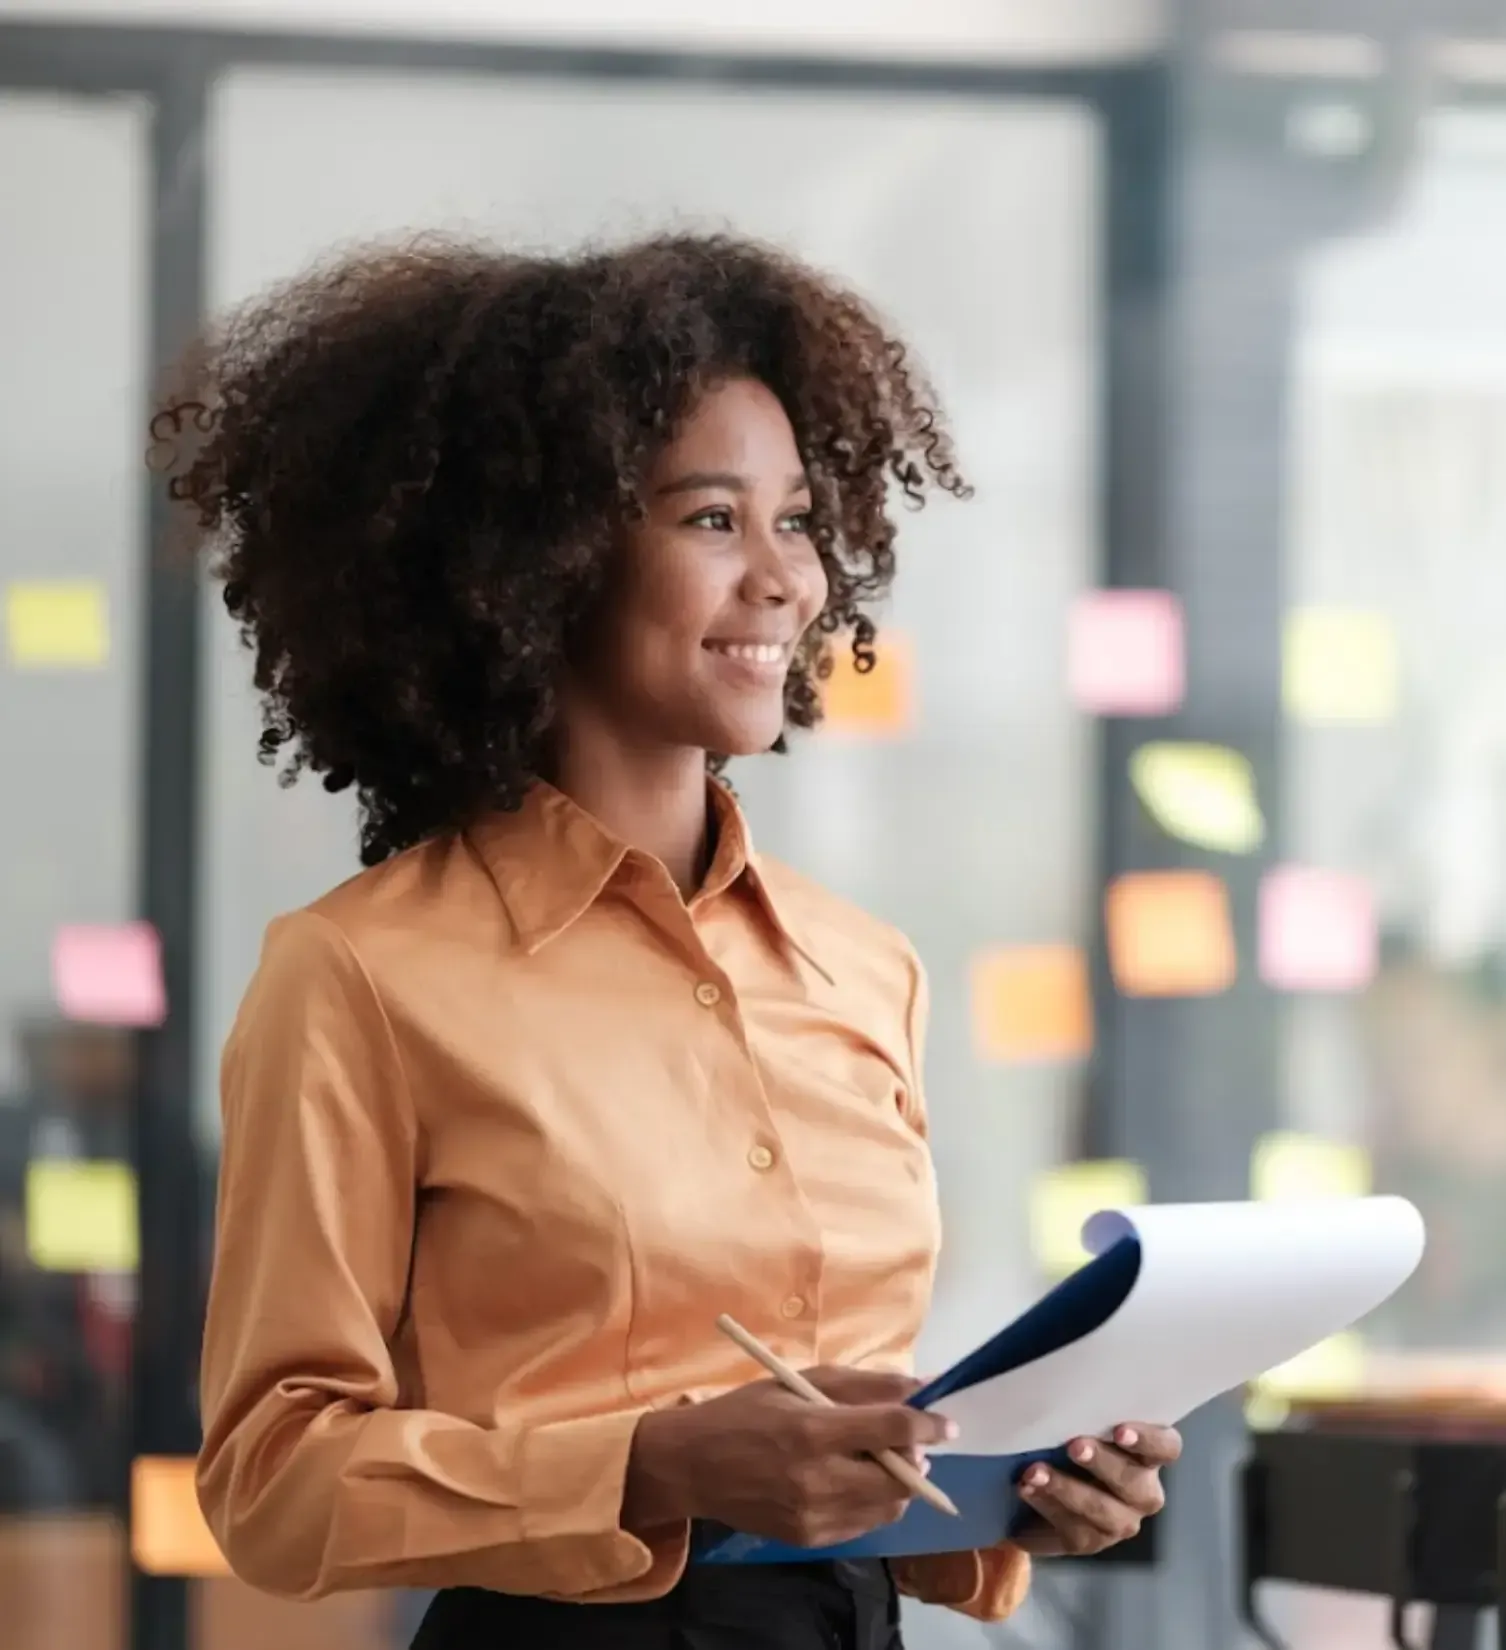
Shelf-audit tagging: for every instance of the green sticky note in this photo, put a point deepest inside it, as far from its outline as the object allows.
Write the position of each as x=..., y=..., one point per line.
x=1202, y=794
x=81, y=1216
x=1065, y=1198
x=57, y=624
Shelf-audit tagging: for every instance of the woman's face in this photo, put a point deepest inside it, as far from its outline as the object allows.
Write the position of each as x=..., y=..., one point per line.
x=719, y=583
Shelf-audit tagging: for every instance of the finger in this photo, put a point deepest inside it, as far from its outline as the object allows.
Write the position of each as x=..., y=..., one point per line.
x=865, y=1429
x=1064, y=1501
x=1126, y=1476
x=861, y=1492
x=861, y=1386
x=1156, y=1446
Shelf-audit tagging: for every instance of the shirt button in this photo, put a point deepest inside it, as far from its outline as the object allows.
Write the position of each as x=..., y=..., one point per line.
x=707, y=994
x=761, y=1158
x=793, y=1307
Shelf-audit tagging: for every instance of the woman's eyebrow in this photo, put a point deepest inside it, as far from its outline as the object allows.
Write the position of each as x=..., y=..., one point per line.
x=704, y=480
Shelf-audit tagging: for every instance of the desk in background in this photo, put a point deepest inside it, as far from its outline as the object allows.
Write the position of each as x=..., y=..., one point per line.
x=1402, y=1496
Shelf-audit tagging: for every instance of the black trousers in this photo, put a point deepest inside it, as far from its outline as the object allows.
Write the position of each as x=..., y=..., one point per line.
x=848, y=1606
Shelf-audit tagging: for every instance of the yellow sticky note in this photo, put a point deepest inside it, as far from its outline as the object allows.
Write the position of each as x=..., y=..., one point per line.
x=1286, y=1166
x=81, y=1216
x=1170, y=934
x=60, y=624
x=1334, y=1368
x=878, y=702
x=1032, y=1003
x=1202, y=794
x=1339, y=665
x=168, y=1534
x=1063, y=1199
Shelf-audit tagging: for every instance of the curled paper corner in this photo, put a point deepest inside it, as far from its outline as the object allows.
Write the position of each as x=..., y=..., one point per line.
x=1103, y=1230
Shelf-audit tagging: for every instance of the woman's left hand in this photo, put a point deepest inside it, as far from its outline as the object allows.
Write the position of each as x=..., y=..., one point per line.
x=1080, y=1517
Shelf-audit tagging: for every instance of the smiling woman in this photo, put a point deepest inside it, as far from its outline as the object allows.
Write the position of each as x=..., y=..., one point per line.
x=526, y=549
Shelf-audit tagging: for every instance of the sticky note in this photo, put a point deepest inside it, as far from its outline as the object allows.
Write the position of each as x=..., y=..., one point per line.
x=109, y=974
x=1318, y=930
x=1031, y=1003
x=1339, y=665
x=168, y=1534
x=80, y=1216
x=1125, y=653
x=1290, y=1166
x=1170, y=934
x=1202, y=794
x=874, y=703
x=1334, y=1368
x=57, y=624
x=1063, y=1199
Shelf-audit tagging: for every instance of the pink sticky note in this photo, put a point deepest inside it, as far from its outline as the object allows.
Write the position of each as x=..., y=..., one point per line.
x=1317, y=930
x=109, y=974
x=1125, y=653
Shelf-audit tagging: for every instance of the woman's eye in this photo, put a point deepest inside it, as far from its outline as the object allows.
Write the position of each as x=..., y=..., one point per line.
x=719, y=519
x=799, y=521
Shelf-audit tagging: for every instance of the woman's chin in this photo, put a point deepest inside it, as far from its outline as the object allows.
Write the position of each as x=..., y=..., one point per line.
x=747, y=735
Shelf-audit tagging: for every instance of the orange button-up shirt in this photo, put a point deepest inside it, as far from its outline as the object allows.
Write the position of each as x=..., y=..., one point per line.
x=507, y=1125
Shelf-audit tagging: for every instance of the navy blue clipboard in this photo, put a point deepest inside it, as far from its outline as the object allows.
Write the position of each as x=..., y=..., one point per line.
x=984, y=1487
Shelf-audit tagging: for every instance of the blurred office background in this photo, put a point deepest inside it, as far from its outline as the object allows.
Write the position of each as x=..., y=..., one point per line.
x=1186, y=762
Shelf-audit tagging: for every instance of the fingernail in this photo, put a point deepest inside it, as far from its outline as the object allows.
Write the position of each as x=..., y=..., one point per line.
x=950, y=1429
x=1037, y=1478
x=1128, y=1437
x=1082, y=1452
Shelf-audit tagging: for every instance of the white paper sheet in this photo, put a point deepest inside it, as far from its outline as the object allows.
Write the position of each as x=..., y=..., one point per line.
x=1225, y=1292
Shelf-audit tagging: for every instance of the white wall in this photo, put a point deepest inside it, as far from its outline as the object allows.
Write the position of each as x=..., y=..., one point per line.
x=975, y=31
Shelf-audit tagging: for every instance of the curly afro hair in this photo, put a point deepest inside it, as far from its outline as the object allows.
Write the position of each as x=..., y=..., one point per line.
x=413, y=463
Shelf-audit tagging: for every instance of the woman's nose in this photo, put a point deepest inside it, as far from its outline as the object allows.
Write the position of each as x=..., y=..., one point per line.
x=771, y=578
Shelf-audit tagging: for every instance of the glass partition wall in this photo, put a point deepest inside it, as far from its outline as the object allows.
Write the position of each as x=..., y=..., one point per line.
x=956, y=793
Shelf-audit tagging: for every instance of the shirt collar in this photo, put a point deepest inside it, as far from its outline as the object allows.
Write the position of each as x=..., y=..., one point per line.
x=551, y=861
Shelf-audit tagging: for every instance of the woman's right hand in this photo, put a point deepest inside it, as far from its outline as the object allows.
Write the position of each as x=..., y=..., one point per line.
x=761, y=1460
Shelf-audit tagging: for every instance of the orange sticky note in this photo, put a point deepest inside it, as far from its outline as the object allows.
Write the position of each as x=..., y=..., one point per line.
x=168, y=1534
x=109, y=974
x=879, y=702
x=1032, y=1003
x=1170, y=934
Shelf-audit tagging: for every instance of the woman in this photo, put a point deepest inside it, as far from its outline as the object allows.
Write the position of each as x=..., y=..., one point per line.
x=526, y=549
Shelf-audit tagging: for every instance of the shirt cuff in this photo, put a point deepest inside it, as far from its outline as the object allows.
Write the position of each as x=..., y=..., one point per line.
x=572, y=1476
x=988, y=1585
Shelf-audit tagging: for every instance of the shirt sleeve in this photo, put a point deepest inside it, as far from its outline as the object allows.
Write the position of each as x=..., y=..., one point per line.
x=991, y=1583
x=311, y=1476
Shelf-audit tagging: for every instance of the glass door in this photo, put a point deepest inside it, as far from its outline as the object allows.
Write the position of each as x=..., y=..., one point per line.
x=73, y=306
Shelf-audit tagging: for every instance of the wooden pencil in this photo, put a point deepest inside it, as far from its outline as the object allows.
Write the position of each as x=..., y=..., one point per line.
x=792, y=1380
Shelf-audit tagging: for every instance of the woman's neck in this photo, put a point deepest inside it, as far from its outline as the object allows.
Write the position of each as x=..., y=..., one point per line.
x=653, y=801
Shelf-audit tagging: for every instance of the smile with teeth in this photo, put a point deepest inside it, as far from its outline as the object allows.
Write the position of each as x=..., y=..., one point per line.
x=757, y=653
